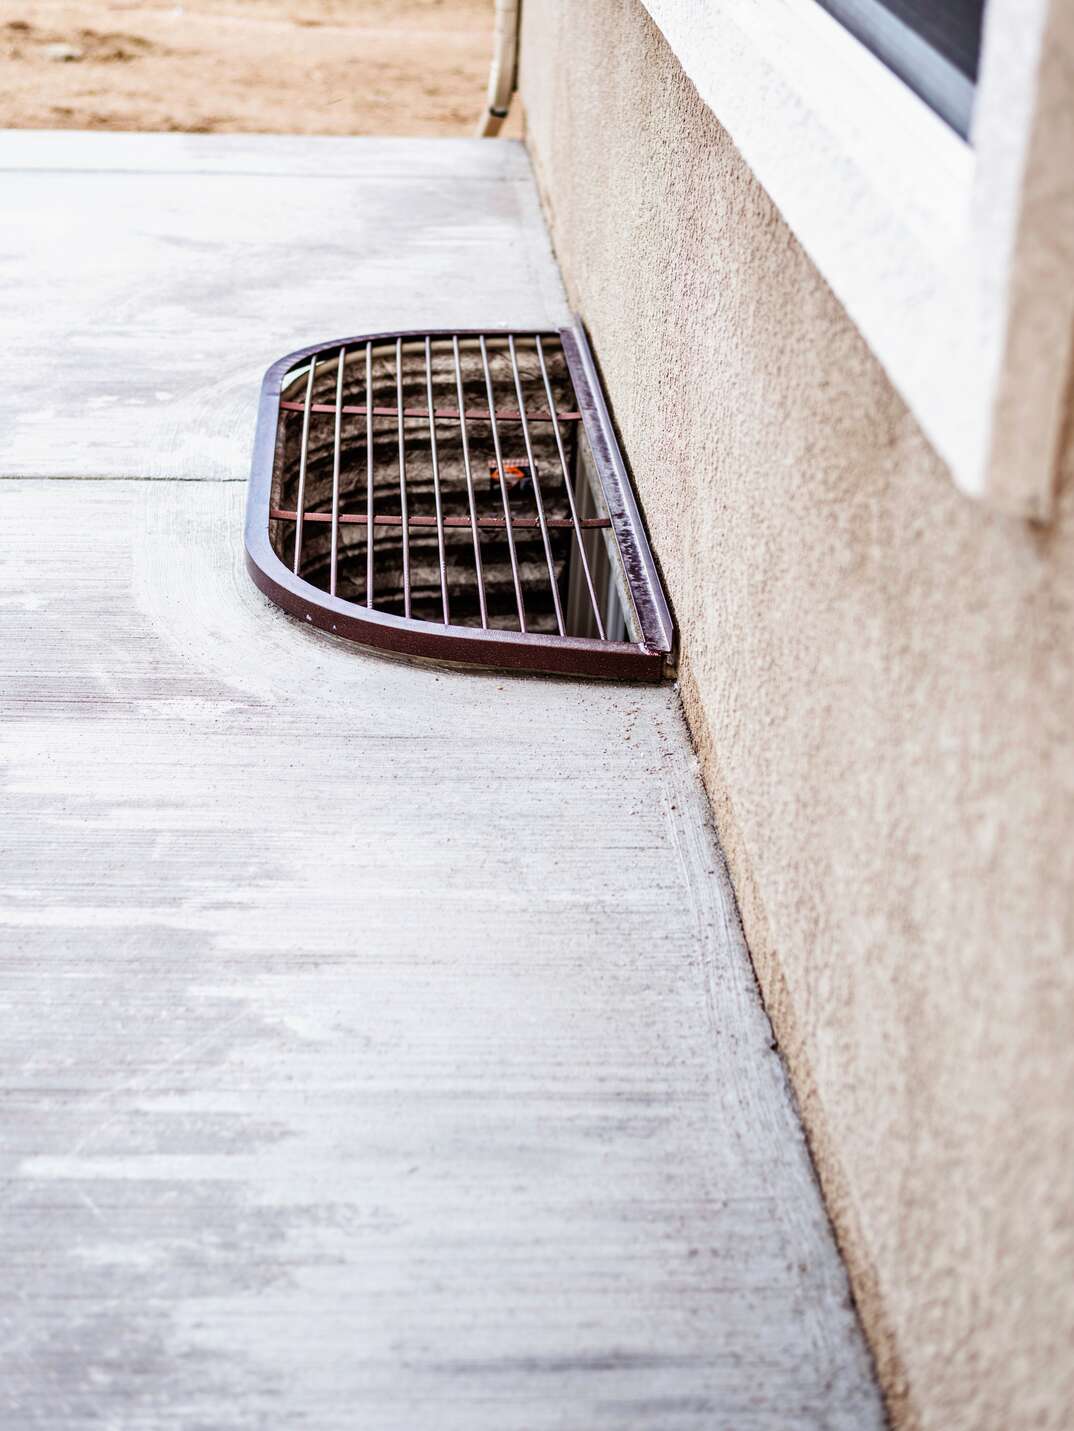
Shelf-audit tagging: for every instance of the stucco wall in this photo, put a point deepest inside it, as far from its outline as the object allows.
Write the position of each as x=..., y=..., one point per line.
x=878, y=675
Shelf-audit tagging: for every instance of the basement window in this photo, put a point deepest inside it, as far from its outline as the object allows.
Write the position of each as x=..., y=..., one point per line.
x=456, y=496
x=920, y=152
x=933, y=45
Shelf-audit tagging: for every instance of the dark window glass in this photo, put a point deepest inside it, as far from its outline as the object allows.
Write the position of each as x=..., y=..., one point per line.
x=934, y=46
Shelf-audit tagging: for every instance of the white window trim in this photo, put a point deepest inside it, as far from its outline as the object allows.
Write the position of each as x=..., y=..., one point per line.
x=956, y=263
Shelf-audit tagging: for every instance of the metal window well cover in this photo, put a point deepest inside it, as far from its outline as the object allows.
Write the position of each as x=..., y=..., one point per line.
x=458, y=497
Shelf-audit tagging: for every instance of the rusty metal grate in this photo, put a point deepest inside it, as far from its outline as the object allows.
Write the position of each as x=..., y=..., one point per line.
x=458, y=497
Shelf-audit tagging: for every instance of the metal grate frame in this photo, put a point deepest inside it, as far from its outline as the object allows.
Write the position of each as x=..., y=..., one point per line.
x=459, y=497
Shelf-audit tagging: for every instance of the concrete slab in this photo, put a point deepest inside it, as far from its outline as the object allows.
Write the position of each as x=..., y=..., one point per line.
x=379, y=1048
x=151, y=279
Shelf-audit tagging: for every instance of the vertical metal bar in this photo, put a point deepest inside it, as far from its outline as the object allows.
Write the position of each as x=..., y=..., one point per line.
x=405, y=528
x=470, y=488
x=570, y=490
x=536, y=483
x=334, y=564
x=436, y=480
x=300, y=504
x=503, y=486
x=369, y=528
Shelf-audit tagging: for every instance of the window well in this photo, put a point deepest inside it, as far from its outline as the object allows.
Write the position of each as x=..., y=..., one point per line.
x=458, y=497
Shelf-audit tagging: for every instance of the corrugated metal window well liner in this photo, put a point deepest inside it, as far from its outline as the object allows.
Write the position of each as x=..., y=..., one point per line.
x=456, y=497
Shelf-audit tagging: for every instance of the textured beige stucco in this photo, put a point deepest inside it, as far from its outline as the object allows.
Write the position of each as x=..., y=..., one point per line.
x=878, y=674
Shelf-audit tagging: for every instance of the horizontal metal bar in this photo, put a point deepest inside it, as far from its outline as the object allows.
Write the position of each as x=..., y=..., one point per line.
x=449, y=414
x=385, y=519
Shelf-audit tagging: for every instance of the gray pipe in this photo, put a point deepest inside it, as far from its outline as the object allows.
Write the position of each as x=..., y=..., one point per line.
x=503, y=75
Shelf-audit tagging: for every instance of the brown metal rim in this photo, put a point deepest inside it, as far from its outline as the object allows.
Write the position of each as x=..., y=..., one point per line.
x=459, y=645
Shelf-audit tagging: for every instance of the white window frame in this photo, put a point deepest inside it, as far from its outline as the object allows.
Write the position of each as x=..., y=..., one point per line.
x=955, y=260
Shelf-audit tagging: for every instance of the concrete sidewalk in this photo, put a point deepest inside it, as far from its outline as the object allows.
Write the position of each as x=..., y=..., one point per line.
x=379, y=1048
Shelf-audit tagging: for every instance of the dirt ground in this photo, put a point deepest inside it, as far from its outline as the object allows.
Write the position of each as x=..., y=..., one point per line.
x=251, y=66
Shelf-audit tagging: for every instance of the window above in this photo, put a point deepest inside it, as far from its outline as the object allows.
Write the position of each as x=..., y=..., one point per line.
x=934, y=46
x=954, y=259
